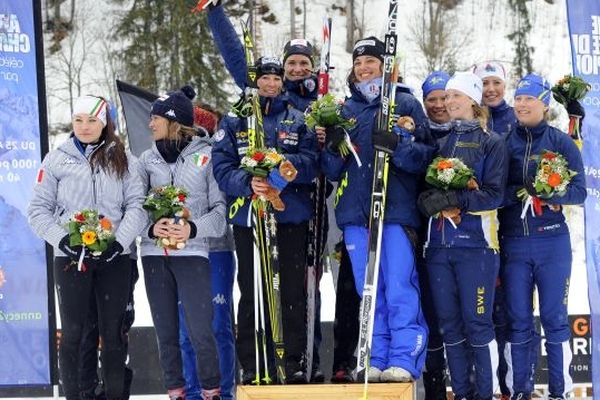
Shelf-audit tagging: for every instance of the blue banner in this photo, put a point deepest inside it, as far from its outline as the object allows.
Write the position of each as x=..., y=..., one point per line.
x=584, y=29
x=24, y=330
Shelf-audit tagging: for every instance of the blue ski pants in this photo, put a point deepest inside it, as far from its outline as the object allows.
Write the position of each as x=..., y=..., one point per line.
x=546, y=263
x=399, y=332
x=462, y=282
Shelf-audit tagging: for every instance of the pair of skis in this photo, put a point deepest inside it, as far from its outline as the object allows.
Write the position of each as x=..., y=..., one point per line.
x=265, y=250
x=378, y=197
x=316, y=225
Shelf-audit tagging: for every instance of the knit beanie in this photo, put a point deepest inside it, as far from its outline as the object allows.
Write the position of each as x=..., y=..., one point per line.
x=467, y=83
x=535, y=86
x=298, y=46
x=91, y=105
x=268, y=66
x=176, y=106
x=370, y=46
x=435, y=81
x=490, y=68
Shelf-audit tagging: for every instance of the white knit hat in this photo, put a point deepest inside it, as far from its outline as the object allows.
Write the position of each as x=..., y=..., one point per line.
x=490, y=68
x=91, y=105
x=468, y=83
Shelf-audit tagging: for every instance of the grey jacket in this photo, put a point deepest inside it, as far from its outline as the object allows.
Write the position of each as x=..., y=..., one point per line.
x=192, y=171
x=66, y=184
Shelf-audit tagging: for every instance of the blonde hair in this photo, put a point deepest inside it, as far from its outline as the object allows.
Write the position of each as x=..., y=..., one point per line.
x=482, y=114
x=178, y=132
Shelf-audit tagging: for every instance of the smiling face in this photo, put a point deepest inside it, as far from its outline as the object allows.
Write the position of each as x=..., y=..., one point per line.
x=493, y=91
x=159, y=127
x=296, y=67
x=435, y=107
x=366, y=68
x=269, y=85
x=529, y=110
x=87, y=128
x=459, y=105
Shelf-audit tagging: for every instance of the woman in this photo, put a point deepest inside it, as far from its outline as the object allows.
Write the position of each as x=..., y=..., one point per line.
x=462, y=255
x=400, y=333
x=284, y=129
x=536, y=250
x=91, y=170
x=181, y=158
x=493, y=76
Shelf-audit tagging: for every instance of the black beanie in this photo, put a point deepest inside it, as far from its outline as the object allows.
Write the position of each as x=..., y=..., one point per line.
x=298, y=46
x=268, y=66
x=370, y=46
x=176, y=106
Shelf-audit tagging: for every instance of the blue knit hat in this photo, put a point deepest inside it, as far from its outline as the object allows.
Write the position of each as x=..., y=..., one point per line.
x=176, y=106
x=435, y=81
x=535, y=86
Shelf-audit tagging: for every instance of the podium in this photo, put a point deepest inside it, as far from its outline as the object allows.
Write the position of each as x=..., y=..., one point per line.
x=377, y=391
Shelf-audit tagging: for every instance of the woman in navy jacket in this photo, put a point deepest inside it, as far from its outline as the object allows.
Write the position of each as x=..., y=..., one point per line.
x=400, y=333
x=285, y=130
x=462, y=257
x=536, y=250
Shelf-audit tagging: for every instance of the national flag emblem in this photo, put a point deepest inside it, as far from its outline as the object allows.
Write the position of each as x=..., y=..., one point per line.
x=40, y=176
x=200, y=160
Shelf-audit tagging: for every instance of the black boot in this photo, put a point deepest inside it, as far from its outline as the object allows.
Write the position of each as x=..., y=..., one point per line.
x=435, y=385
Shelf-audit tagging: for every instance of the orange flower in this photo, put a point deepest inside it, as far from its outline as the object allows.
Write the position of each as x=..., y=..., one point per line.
x=105, y=224
x=444, y=164
x=554, y=180
x=88, y=237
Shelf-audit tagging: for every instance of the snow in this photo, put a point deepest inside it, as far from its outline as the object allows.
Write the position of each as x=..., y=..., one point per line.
x=483, y=24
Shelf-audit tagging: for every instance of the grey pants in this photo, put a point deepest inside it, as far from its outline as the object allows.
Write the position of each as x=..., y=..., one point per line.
x=187, y=279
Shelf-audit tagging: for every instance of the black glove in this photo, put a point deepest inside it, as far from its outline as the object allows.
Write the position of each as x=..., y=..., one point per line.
x=73, y=252
x=114, y=249
x=433, y=201
x=530, y=188
x=575, y=108
x=334, y=135
x=384, y=141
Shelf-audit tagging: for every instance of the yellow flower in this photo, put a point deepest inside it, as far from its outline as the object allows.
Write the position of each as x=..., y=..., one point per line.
x=88, y=237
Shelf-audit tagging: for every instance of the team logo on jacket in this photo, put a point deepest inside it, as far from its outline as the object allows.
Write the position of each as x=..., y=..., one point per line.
x=219, y=135
x=69, y=161
x=309, y=84
x=290, y=138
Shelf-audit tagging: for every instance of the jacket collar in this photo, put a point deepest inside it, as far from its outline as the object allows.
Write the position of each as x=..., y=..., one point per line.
x=535, y=131
x=500, y=108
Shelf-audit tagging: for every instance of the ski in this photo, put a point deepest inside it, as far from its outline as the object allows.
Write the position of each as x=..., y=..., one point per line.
x=316, y=227
x=264, y=224
x=378, y=195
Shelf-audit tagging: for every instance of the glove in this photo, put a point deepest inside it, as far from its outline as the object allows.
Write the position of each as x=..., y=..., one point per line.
x=530, y=188
x=575, y=108
x=334, y=135
x=73, y=252
x=385, y=142
x=114, y=249
x=433, y=201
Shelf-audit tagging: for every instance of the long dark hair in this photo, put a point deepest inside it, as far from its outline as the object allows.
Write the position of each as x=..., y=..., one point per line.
x=111, y=156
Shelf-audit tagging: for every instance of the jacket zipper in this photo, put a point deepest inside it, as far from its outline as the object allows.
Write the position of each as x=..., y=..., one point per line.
x=528, y=147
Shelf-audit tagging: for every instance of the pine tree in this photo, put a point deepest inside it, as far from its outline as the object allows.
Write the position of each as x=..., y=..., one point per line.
x=522, y=61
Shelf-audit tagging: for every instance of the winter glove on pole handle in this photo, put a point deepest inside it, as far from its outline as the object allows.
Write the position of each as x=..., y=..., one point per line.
x=385, y=142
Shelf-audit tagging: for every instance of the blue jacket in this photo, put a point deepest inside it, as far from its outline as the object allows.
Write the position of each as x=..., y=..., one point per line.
x=408, y=163
x=285, y=130
x=522, y=144
x=502, y=119
x=302, y=92
x=485, y=153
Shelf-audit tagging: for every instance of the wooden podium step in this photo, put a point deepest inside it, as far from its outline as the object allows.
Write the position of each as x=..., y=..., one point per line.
x=377, y=391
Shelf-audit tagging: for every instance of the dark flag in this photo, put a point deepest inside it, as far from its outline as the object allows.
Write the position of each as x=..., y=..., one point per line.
x=136, y=103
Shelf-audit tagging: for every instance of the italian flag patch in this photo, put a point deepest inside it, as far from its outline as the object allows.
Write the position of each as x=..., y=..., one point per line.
x=40, y=176
x=201, y=160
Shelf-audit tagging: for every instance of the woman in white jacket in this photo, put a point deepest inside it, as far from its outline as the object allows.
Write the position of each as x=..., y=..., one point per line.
x=91, y=170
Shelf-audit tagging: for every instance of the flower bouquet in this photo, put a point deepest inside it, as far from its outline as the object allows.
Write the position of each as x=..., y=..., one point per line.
x=92, y=231
x=551, y=179
x=168, y=202
x=568, y=90
x=260, y=162
x=450, y=174
x=327, y=112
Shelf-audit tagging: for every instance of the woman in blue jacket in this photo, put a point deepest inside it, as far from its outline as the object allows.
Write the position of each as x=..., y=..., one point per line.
x=285, y=130
x=536, y=250
x=462, y=257
x=400, y=333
